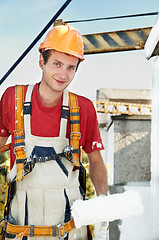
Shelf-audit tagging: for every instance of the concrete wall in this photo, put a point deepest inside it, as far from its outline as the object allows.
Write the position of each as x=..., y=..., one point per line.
x=128, y=149
x=128, y=156
x=132, y=152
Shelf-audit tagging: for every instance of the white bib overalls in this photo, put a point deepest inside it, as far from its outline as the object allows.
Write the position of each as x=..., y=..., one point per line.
x=45, y=195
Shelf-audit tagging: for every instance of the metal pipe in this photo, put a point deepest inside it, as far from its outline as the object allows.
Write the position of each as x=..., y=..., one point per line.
x=155, y=153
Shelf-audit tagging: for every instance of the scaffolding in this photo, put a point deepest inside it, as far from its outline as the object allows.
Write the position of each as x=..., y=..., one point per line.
x=122, y=108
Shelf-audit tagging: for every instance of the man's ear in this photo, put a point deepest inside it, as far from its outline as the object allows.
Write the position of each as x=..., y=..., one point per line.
x=41, y=61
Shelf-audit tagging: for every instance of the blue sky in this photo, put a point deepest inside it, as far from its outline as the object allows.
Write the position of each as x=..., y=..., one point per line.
x=22, y=20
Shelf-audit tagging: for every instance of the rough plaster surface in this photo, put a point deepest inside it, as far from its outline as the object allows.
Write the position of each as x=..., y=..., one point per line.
x=131, y=151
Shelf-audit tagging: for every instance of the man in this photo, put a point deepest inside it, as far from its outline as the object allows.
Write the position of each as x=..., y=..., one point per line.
x=44, y=196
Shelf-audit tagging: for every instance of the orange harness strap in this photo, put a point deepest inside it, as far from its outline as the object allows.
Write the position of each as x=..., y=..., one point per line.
x=5, y=148
x=75, y=127
x=19, y=146
x=60, y=230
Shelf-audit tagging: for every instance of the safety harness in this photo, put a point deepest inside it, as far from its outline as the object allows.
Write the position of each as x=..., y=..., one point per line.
x=71, y=152
x=24, y=166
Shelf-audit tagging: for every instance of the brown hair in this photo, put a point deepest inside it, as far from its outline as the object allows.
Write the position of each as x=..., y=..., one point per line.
x=47, y=53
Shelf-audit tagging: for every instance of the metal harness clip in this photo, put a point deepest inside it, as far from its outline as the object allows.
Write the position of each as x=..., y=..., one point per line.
x=60, y=227
x=68, y=152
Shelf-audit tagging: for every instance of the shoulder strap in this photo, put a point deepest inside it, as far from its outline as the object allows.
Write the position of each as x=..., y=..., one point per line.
x=75, y=127
x=64, y=114
x=19, y=146
x=27, y=110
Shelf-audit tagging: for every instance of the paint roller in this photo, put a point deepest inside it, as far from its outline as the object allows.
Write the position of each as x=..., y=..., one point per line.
x=106, y=208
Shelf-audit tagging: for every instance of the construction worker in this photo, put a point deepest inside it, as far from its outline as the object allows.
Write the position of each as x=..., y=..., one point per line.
x=46, y=139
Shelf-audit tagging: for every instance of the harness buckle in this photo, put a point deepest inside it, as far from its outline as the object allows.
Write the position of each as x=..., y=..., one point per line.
x=68, y=152
x=28, y=165
x=60, y=227
x=75, y=133
x=27, y=108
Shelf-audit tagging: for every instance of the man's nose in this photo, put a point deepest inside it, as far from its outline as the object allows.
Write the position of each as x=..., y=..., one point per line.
x=63, y=73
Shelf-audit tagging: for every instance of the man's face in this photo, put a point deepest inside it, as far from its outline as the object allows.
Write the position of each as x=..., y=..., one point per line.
x=59, y=70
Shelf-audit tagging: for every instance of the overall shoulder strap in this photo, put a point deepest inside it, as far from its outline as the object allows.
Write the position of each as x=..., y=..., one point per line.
x=75, y=127
x=64, y=114
x=27, y=111
x=19, y=146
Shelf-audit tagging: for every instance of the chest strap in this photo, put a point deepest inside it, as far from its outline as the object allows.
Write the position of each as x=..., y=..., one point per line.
x=19, y=144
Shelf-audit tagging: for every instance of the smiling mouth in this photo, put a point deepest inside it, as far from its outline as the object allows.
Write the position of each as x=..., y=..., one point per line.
x=60, y=82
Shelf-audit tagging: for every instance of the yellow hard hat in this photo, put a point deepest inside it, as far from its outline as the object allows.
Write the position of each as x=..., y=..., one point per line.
x=65, y=39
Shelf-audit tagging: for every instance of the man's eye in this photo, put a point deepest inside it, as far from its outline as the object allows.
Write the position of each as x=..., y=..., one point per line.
x=57, y=64
x=71, y=68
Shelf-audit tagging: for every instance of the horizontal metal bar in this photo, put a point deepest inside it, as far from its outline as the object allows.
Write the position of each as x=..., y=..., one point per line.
x=133, y=39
